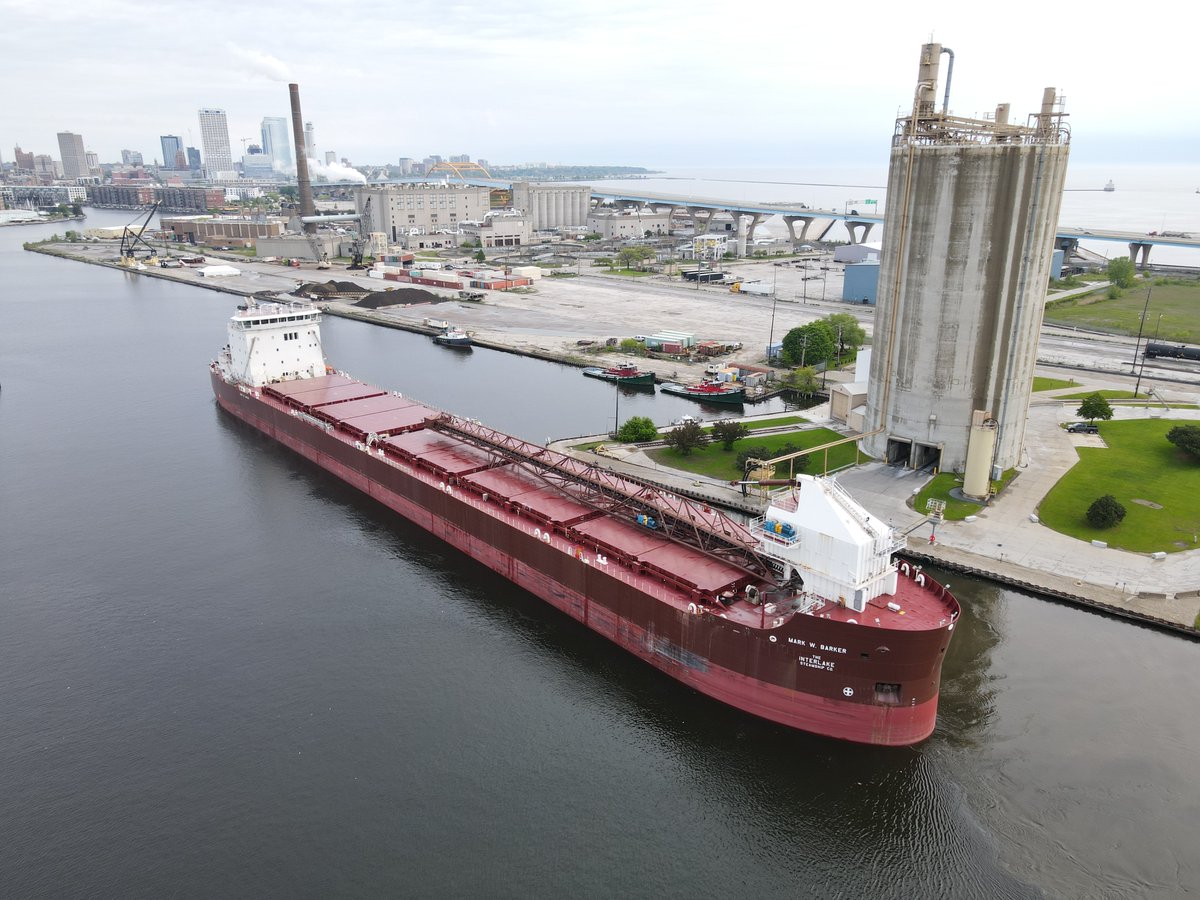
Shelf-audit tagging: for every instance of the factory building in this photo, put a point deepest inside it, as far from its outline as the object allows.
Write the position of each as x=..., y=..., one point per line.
x=610, y=223
x=972, y=207
x=553, y=205
x=398, y=210
x=499, y=231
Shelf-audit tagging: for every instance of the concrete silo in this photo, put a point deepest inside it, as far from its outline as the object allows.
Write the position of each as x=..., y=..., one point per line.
x=968, y=240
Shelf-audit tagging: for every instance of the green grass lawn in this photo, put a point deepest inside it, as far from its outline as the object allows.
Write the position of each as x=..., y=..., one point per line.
x=1176, y=300
x=717, y=463
x=1138, y=464
x=956, y=510
x=1107, y=395
x=776, y=423
x=631, y=273
x=1052, y=384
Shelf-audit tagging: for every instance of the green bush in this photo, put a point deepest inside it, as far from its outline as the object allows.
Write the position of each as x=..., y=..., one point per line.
x=1186, y=438
x=637, y=428
x=1105, y=512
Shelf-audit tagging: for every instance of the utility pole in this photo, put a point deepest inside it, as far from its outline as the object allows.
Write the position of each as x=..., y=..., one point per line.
x=1141, y=324
x=1142, y=367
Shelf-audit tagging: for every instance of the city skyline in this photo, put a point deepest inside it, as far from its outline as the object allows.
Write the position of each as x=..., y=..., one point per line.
x=576, y=85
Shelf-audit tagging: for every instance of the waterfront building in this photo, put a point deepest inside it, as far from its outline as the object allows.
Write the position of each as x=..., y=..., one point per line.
x=419, y=207
x=219, y=230
x=214, y=138
x=553, y=205
x=968, y=238
x=74, y=158
x=171, y=145
x=31, y=196
x=277, y=142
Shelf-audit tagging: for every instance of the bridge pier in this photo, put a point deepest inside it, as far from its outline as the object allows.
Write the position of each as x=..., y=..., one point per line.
x=739, y=227
x=852, y=226
x=670, y=210
x=701, y=218
x=1136, y=249
x=755, y=219
x=790, y=222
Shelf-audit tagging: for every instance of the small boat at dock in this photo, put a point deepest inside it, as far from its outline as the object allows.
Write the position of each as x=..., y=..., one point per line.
x=453, y=336
x=708, y=391
x=625, y=373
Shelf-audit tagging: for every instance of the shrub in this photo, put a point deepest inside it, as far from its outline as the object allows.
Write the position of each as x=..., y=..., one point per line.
x=1186, y=438
x=1105, y=512
x=637, y=428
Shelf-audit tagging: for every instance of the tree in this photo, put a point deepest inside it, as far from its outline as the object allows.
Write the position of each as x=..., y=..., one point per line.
x=633, y=257
x=851, y=333
x=803, y=381
x=637, y=428
x=1186, y=438
x=1094, y=407
x=729, y=432
x=687, y=437
x=1121, y=271
x=629, y=345
x=1105, y=512
x=809, y=343
x=479, y=256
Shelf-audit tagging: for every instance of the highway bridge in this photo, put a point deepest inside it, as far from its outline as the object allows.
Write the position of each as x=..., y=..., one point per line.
x=816, y=224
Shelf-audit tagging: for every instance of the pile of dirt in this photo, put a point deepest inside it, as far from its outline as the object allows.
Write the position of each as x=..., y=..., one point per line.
x=399, y=297
x=330, y=287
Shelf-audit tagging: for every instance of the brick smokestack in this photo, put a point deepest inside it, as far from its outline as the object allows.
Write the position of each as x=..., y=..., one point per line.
x=303, y=182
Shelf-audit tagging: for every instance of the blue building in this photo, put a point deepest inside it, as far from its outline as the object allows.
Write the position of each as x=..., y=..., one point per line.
x=860, y=282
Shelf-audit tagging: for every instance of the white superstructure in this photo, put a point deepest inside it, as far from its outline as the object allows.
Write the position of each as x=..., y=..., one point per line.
x=842, y=553
x=271, y=342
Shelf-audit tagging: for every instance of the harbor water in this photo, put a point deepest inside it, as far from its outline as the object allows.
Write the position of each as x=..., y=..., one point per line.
x=223, y=673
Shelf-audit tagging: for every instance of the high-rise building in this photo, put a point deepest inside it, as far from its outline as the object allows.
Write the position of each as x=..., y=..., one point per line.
x=482, y=163
x=193, y=159
x=460, y=158
x=171, y=145
x=74, y=158
x=45, y=166
x=277, y=142
x=406, y=165
x=24, y=159
x=310, y=141
x=968, y=241
x=92, y=161
x=131, y=158
x=330, y=157
x=214, y=138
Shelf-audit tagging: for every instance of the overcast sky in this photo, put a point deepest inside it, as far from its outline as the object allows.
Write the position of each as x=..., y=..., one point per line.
x=659, y=83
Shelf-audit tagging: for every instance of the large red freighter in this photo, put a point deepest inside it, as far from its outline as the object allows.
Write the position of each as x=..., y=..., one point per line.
x=801, y=617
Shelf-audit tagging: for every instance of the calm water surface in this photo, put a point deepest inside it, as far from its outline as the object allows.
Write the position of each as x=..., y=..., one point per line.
x=225, y=674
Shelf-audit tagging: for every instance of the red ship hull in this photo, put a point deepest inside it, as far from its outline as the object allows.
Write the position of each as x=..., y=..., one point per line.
x=812, y=673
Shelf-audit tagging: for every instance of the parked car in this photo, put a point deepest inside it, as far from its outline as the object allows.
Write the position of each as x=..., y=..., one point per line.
x=1083, y=428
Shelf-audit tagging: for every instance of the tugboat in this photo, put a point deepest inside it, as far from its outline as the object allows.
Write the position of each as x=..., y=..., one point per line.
x=1109, y=188
x=708, y=391
x=625, y=373
x=453, y=336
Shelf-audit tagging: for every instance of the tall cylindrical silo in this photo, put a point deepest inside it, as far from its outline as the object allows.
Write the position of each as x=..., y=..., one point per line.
x=968, y=239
